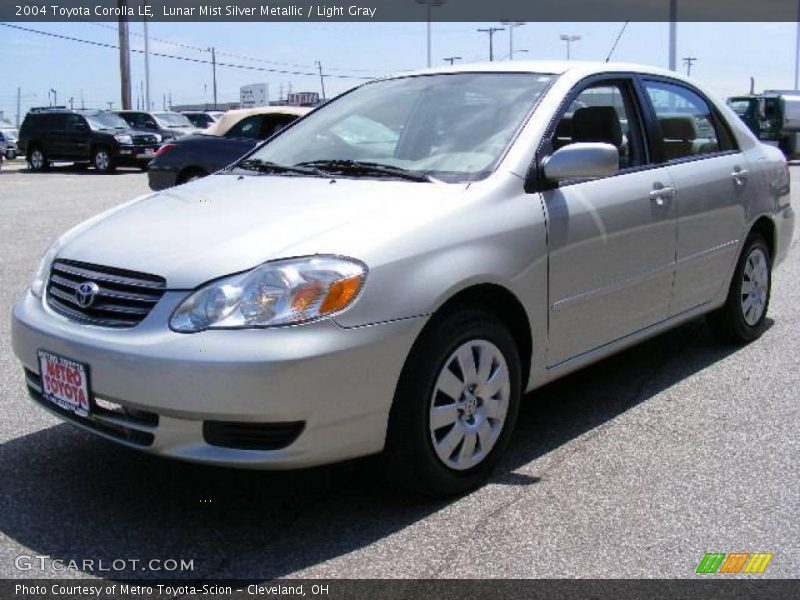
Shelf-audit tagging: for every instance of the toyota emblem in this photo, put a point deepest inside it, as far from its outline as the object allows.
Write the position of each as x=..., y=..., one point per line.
x=85, y=293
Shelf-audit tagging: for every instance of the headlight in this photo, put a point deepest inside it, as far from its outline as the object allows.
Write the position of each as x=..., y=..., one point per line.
x=43, y=270
x=282, y=292
x=123, y=138
x=157, y=136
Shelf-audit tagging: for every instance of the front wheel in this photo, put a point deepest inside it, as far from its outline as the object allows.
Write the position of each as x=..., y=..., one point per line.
x=102, y=161
x=455, y=405
x=743, y=317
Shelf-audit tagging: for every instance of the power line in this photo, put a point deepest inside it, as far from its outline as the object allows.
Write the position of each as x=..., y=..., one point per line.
x=231, y=54
x=183, y=58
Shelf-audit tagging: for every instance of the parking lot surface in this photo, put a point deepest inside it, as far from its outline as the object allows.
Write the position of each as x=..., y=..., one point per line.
x=632, y=468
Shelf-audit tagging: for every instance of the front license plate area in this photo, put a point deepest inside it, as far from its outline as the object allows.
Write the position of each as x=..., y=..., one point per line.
x=65, y=382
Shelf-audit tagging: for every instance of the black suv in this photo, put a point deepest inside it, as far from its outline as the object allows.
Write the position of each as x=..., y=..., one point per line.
x=84, y=136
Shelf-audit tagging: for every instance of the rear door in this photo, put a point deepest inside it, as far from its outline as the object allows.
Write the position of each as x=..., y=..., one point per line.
x=54, y=134
x=76, y=138
x=611, y=240
x=712, y=183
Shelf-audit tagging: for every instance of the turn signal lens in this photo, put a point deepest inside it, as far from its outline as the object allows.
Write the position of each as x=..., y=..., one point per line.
x=340, y=294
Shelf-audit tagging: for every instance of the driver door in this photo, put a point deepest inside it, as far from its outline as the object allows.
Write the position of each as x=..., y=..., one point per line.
x=611, y=240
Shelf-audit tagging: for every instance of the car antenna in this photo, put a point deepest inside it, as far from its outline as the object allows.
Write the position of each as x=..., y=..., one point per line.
x=614, y=47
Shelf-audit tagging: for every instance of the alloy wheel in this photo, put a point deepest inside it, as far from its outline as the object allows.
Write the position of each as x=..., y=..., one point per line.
x=37, y=159
x=101, y=160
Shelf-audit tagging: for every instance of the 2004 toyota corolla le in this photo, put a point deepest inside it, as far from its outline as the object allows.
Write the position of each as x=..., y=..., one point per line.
x=392, y=272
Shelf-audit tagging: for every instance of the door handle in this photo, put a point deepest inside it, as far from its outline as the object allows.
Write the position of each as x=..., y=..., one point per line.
x=660, y=195
x=740, y=176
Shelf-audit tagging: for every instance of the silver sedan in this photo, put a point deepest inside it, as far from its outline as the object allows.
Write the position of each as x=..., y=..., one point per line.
x=388, y=275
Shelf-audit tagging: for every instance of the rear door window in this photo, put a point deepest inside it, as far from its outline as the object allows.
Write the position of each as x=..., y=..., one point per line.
x=688, y=127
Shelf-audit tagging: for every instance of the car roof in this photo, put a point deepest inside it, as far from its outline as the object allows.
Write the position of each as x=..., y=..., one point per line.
x=230, y=118
x=545, y=67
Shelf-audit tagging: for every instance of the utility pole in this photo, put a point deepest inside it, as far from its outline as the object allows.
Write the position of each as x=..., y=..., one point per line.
x=164, y=100
x=689, y=61
x=491, y=31
x=214, y=72
x=673, y=35
x=124, y=58
x=110, y=104
x=19, y=104
x=83, y=105
x=146, y=67
x=511, y=25
x=321, y=79
x=141, y=95
x=70, y=103
x=451, y=59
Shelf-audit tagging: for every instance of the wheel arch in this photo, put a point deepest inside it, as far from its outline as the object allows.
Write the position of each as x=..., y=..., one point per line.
x=503, y=304
x=765, y=226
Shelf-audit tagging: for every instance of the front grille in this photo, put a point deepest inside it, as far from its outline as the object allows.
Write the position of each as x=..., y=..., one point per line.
x=251, y=436
x=114, y=420
x=144, y=139
x=123, y=298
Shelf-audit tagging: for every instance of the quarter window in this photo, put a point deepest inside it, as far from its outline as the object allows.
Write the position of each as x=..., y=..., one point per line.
x=688, y=127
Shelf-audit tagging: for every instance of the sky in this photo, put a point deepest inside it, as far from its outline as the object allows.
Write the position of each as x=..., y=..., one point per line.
x=728, y=54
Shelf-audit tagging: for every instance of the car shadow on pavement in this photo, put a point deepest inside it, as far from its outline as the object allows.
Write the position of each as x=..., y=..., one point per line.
x=72, y=169
x=72, y=496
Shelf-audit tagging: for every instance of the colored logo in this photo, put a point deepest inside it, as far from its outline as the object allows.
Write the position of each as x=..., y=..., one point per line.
x=736, y=562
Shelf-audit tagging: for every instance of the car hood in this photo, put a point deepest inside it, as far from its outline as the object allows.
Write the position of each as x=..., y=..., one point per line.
x=225, y=224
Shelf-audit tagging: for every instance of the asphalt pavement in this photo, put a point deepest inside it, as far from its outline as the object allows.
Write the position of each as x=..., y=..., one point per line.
x=635, y=467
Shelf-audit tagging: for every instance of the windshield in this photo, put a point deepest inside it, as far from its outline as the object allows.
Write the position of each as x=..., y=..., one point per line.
x=740, y=107
x=168, y=119
x=453, y=127
x=105, y=120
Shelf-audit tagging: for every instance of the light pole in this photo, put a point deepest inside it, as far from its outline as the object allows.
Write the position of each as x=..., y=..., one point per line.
x=797, y=49
x=451, y=59
x=429, y=4
x=673, y=35
x=146, y=67
x=511, y=25
x=569, y=39
x=55, y=96
x=491, y=31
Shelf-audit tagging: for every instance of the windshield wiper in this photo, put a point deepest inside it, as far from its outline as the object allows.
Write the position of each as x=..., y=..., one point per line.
x=265, y=166
x=355, y=167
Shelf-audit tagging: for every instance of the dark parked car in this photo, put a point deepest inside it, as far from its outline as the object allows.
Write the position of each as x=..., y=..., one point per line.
x=8, y=143
x=233, y=136
x=83, y=136
x=168, y=125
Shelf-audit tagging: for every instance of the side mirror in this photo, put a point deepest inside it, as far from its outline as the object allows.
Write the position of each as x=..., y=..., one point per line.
x=581, y=160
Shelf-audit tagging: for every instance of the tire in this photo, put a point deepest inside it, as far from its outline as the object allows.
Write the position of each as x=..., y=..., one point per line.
x=430, y=460
x=742, y=318
x=102, y=161
x=37, y=160
x=11, y=154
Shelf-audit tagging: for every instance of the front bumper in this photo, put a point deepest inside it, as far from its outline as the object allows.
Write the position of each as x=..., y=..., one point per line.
x=135, y=154
x=338, y=382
